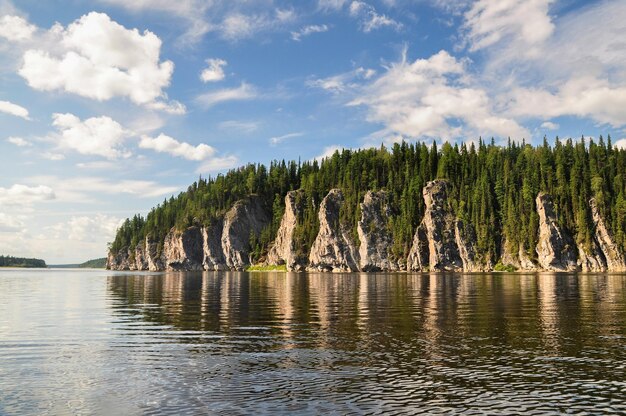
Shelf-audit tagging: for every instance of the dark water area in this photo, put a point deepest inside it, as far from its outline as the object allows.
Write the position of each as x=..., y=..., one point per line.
x=86, y=342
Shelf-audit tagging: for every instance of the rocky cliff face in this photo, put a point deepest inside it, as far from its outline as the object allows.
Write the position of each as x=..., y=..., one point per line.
x=604, y=254
x=212, y=254
x=183, y=250
x=375, y=236
x=244, y=218
x=282, y=250
x=442, y=242
x=555, y=249
x=333, y=249
x=440, y=228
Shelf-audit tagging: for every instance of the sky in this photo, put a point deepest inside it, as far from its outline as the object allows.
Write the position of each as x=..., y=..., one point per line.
x=108, y=107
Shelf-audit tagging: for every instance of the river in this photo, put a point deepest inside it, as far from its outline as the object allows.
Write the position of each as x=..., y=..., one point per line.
x=111, y=343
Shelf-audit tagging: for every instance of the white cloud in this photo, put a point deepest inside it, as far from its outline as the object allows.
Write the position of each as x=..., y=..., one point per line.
x=331, y=4
x=23, y=195
x=526, y=22
x=431, y=98
x=218, y=164
x=81, y=189
x=308, y=30
x=237, y=26
x=342, y=82
x=241, y=93
x=240, y=126
x=16, y=28
x=328, y=152
x=86, y=228
x=582, y=97
x=97, y=58
x=14, y=109
x=370, y=19
x=548, y=125
x=10, y=223
x=100, y=136
x=19, y=142
x=215, y=70
x=53, y=156
x=166, y=144
x=279, y=139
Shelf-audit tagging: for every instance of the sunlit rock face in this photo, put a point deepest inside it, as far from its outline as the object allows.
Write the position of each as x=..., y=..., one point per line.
x=555, y=248
x=182, y=250
x=244, y=218
x=333, y=248
x=283, y=250
x=374, y=235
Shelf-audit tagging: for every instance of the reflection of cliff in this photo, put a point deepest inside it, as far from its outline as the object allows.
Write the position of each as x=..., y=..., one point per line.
x=429, y=316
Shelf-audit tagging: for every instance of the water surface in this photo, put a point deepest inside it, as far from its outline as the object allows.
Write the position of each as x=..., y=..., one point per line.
x=97, y=342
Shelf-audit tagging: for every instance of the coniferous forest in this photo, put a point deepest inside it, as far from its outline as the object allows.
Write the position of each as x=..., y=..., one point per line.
x=493, y=187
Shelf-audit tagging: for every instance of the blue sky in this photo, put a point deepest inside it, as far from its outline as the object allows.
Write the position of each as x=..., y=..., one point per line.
x=110, y=106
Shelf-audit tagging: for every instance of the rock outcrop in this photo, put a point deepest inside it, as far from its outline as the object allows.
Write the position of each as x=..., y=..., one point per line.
x=153, y=257
x=374, y=234
x=555, y=249
x=439, y=224
x=333, y=249
x=518, y=259
x=604, y=254
x=419, y=256
x=141, y=261
x=183, y=250
x=283, y=250
x=212, y=254
x=119, y=260
x=466, y=243
x=244, y=218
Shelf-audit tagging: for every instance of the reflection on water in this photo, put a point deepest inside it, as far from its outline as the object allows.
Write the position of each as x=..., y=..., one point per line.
x=238, y=343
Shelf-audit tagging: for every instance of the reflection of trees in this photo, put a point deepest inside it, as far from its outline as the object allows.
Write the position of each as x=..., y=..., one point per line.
x=406, y=314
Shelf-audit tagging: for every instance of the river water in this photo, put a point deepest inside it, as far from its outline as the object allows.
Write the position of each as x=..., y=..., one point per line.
x=96, y=342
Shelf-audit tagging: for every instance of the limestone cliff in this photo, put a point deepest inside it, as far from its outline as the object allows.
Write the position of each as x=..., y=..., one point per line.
x=183, y=250
x=375, y=236
x=153, y=257
x=518, y=259
x=212, y=254
x=419, y=256
x=244, y=218
x=555, y=249
x=466, y=243
x=283, y=250
x=333, y=249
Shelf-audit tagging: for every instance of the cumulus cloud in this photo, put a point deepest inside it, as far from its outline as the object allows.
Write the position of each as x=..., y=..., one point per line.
x=370, y=19
x=548, y=125
x=214, y=71
x=328, y=152
x=98, y=58
x=24, y=195
x=91, y=228
x=166, y=144
x=19, y=142
x=14, y=109
x=100, y=136
x=488, y=22
x=432, y=98
x=241, y=93
x=218, y=164
x=308, y=30
x=10, y=223
x=279, y=139
x=16, y=28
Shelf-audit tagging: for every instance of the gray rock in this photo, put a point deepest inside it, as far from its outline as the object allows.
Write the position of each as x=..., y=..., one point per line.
x=153, y=258
x=613, y=256
x=333, y=249
x=283, y=250
x=212, y=253
x=555, y=249
x=183, y=250
x=375, y=236
x=466, y=244
x=419, y=255
x=244, y=218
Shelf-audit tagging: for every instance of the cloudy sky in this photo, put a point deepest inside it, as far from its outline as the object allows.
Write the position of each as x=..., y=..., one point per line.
x=109, y=106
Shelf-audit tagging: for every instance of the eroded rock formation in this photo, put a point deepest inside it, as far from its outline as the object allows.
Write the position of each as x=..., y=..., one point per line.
x=374, y=234
x=555, y=248
x=283, y=250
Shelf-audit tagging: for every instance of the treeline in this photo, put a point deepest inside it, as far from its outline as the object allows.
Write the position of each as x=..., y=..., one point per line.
x=9, y=261
x=493, y=187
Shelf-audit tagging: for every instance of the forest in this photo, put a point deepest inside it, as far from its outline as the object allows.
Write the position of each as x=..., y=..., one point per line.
x=492, y=187
x=9, y=261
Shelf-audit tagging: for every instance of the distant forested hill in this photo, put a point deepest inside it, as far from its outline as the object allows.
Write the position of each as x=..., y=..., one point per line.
x=9, y=261
x=94, y=264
